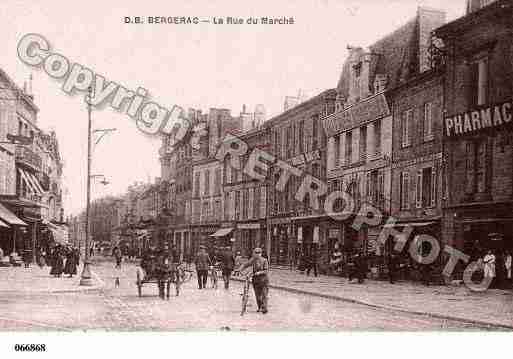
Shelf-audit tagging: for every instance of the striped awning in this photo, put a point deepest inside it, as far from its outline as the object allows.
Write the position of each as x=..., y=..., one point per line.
x=31, y=182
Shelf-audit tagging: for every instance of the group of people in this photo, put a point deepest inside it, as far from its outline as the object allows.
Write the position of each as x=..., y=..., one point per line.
x=63, y=260
x=228, y=262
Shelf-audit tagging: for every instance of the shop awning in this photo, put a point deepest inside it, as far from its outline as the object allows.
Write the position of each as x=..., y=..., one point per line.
x=28, y=182
x=4, y=225
x=222, y=232
x=35, y=182
x=411, y=224
x=9, y=217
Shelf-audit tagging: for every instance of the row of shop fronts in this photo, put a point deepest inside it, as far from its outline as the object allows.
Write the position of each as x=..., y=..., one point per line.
x=25, y=233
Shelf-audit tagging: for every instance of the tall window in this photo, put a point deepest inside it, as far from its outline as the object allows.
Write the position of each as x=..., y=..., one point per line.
x=349, y=147
x=227, y=206
x=477, y=171
x=256, y=202
x=377, y=137
x=426, y=188
x=217, y=182
x=478, y=82
x=245, y=203
x=207, y=183
x=428, y=121
x=196, y=184
x=237, y=204
x=405, y=190
x=290, y=141
x=363, y=143
x=315, y=132
x=337, y=151
x=406, y=121
x=301, y=136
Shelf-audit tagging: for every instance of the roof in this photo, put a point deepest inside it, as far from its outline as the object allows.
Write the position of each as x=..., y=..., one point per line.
x=489, y=12
x=397, y=55
x=298, y=108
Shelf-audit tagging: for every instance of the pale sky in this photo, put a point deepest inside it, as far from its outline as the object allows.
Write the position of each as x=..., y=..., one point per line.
x=201, y=66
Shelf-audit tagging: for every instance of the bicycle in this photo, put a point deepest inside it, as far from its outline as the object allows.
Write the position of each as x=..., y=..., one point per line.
x=245, y=294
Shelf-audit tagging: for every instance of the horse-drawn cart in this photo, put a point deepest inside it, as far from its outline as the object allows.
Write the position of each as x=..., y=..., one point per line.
x=158, y=271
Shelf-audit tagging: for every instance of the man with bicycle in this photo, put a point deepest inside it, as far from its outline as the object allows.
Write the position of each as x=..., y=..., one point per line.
x=260, y=278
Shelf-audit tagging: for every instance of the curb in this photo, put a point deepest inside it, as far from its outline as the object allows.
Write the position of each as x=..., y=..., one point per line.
x=386, y=307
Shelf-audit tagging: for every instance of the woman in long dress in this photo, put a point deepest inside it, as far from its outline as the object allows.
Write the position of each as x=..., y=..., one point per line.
x=489, y=265
x=71, y=263
x=57, y=263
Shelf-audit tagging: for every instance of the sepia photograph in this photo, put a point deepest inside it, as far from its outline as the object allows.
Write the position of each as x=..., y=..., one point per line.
x=228, y=167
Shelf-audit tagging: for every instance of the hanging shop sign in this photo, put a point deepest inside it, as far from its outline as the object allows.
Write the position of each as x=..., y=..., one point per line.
x=479, y=119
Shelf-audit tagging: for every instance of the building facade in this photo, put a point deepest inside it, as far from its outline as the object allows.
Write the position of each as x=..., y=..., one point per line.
x=298, y=139
x=478, y=138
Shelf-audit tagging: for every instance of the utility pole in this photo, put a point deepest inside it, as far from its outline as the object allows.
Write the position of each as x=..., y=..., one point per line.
x=86, y=279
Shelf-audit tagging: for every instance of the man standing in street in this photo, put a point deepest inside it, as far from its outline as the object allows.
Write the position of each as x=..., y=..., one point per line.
x=202, y=263
x=392, y=268
x=260, y=278
x=227, y=265
x=312, y=262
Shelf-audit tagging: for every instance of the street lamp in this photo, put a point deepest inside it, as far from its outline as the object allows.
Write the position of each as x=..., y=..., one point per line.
x=86, y=279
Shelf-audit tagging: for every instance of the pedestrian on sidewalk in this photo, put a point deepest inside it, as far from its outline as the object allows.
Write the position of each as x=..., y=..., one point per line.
x=507, y=263
x=27, y=257
x=227, y=260
x=489, y=265
x=392, y=267
x=70, y=268
x=260, y=278
x=361, y=268
x=118, y=256
x=312, y=263
x=202, y=263
x=57, y=262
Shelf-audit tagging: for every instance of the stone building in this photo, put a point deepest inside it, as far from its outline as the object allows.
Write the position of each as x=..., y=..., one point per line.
x=298, y=139
x=478, y=139
x=245, y=200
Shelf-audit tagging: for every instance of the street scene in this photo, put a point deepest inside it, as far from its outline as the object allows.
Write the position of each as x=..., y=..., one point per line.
x=373, y=192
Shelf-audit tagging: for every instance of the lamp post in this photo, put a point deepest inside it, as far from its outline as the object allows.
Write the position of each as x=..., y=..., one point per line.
x=86, y=279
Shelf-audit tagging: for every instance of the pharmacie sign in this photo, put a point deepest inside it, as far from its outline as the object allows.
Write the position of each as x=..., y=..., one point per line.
x=480, y=119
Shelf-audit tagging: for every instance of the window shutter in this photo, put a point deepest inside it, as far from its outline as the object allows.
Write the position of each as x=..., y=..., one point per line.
x=434, y=186
x=368, y=186
x=405, y=190
x=381, y=188
x=418, y=190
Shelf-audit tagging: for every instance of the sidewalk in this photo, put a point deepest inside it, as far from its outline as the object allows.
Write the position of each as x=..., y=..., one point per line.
x=493, y=307
x=35, y=280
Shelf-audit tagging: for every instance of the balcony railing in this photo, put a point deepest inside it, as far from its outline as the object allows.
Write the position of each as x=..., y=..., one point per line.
x=29, y=157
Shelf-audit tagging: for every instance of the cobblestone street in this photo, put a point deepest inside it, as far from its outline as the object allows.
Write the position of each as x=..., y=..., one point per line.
x=120, y=309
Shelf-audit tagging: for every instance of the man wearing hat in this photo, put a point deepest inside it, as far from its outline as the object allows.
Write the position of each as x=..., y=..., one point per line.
x=260, y=278
x=202, y=263
x=227, y=260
